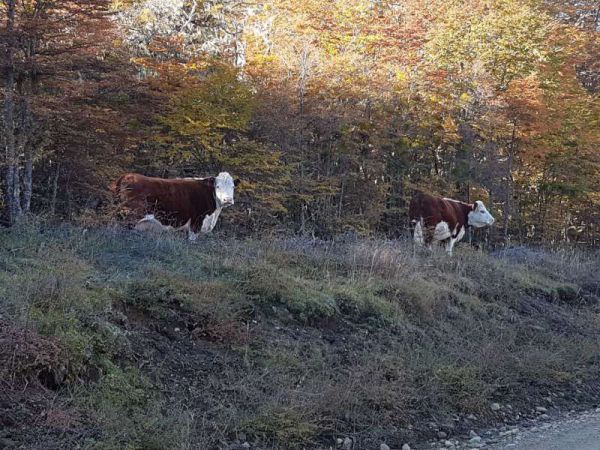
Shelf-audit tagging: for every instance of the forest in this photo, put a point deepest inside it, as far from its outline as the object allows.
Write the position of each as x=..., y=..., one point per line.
x=307, y=319
x=332, y=113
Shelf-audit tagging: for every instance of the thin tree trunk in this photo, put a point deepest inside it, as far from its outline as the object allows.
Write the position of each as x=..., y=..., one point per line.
x=12, y=176
x=28, y=180
x=24, y=148
x=510, y=183
x=54, y=190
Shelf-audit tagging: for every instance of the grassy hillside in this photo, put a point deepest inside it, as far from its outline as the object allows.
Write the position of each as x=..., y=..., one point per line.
x=109, y=339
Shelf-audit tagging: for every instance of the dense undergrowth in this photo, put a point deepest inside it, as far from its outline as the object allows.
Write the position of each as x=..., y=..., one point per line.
x=110, y=339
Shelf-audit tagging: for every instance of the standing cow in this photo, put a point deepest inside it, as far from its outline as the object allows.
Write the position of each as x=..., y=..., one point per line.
x=192, y=204
x=444, y=220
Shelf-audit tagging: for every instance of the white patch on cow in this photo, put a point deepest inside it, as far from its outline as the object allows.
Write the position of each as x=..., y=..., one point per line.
x=418, y=233
x=224, y=187
x=480, y=217
x=442, y=231
x=210, y=221
x=151, y=224
x=192, y=236
x=452, y=241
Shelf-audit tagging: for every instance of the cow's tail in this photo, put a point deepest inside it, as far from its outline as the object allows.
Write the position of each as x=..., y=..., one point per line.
x=415, y=213
x=115, y=199
x=115, y=186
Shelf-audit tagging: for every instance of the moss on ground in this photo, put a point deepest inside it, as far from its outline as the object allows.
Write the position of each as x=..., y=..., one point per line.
x=152, y=343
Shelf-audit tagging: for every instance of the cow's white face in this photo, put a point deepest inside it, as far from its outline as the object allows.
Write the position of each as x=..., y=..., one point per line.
x=480, y=216
x=224, y=187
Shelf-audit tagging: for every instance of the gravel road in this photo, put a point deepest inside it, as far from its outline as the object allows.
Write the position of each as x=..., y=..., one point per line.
x=579, y=432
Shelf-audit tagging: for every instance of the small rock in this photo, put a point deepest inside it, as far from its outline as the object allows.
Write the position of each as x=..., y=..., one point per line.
x=177, y=330
x=347, y=445
x=544, y=417
x=245, y=445
x=449, y=443
x=406, y=447
x=541, y=409
x=475, y=440
x=442, y=435
x=495, y=406
x=471, y=417
x=472, y=434
x=339, y=441
x=384, y=447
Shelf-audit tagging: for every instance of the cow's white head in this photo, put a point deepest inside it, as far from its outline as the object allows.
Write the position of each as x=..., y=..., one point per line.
x=224, y=187
x=480, y=216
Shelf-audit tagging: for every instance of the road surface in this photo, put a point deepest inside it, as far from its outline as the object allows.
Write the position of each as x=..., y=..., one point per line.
x=580, y=432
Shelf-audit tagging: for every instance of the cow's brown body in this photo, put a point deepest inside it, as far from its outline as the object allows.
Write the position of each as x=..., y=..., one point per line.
x=173, y=201
x=443, y=219
x=435, y=210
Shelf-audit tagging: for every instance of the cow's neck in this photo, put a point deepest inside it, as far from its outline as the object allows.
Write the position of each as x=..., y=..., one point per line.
x=210, y=220
x=466, y=208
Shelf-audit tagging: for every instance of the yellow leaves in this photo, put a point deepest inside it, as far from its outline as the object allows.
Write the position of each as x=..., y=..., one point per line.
x=401, y=76
x=465, y=99
x=450, y=130
x=508, y=39
x=147, y=16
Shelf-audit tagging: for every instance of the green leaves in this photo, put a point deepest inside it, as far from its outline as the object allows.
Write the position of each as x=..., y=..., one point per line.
x=503, y=38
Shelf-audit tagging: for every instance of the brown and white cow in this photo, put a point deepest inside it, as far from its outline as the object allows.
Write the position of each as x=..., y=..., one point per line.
x=444, y=220
x=190, y=204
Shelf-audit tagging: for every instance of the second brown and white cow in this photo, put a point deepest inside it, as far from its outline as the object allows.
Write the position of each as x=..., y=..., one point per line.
x=190, y=204
x=436, y=219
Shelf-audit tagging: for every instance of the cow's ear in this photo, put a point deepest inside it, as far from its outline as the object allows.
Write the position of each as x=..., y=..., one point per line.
x=236, y=182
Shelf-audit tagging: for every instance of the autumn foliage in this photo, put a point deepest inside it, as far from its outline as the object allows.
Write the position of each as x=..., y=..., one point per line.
x=331, y=112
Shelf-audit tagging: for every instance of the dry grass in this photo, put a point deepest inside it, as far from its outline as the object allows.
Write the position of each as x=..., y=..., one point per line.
x=286, y=342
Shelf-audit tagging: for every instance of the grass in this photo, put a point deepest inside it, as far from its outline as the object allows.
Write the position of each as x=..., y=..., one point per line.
x=119, y=340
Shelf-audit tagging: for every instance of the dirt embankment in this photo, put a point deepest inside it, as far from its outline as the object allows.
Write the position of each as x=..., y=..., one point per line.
x=113, y=340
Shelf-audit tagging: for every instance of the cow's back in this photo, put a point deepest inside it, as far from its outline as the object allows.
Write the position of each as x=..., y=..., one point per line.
x=173, y=201
x=426, y=207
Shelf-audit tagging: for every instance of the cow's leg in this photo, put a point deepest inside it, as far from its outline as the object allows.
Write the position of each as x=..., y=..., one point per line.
x=453, y=240
x=450, y=245
x=418, y=236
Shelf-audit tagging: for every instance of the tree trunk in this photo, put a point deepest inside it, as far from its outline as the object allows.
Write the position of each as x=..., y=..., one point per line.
x=24, y=148
x=510, y=183
x=12, y=158
x=27, y=180
x=54, y=190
